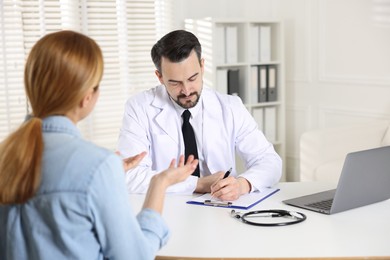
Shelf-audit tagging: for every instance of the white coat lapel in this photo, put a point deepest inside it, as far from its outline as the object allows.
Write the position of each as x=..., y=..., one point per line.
x=166, y=119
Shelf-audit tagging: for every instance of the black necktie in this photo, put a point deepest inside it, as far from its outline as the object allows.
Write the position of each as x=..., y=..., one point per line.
x=189, y=139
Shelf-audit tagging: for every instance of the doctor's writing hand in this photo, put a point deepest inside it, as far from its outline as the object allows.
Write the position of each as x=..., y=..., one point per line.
x=204, y=183
x=230, y=188
x=131, y=162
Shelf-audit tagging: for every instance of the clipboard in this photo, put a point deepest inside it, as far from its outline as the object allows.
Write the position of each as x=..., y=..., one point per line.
x=245, y=202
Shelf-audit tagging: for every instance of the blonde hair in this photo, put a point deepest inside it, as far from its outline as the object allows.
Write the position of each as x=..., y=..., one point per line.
x=60, y=69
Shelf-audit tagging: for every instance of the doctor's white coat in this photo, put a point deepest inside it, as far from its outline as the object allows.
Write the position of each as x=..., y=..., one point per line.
x=151, y=124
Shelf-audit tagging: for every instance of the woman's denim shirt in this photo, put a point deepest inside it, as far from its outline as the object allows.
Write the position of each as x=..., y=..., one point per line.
x=81, y=209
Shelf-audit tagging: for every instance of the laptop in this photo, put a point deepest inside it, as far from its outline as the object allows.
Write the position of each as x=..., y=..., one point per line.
x=364, y=179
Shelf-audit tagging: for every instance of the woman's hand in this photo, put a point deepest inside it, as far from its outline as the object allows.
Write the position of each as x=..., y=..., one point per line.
x=133, y=161
x=160, y=182
x=174, y=174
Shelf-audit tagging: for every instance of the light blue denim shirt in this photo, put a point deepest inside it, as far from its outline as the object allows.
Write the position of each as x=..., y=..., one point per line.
x=81, y=210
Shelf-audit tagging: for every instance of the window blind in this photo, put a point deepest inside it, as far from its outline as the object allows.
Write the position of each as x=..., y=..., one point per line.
x=12, y=97
x=125, y=30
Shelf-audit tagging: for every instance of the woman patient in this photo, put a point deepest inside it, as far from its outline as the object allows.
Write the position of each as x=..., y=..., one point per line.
x=62, y=197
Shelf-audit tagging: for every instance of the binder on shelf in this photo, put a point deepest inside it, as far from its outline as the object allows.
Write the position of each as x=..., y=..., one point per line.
x=258, y=115
x=222, y=81
x=270, y=123
x=233, y=82
x=254, y=55
x=220, y=41
x=272, y=83
x=231, y=44
x=262, y=84
x=254, y=84
x=265, y=43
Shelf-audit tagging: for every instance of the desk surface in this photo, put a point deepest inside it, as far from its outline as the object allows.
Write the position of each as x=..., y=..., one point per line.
x=210, y=232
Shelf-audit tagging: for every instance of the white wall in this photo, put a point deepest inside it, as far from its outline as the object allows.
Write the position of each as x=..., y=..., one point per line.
x=250, y=9
x=337, y=60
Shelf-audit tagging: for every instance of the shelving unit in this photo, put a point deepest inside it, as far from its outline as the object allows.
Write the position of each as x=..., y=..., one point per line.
x=234, y=44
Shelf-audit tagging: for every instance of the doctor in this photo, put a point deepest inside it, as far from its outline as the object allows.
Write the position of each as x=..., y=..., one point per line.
x=222, y=125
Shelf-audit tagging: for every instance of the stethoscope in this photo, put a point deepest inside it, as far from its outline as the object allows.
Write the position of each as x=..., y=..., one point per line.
x=293, y=216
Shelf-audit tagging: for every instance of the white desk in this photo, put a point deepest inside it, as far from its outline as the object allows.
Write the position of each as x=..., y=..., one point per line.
x=209, y=232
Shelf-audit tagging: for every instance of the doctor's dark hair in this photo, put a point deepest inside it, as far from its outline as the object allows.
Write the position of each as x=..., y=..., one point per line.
x=176, y=46
x=60, y=70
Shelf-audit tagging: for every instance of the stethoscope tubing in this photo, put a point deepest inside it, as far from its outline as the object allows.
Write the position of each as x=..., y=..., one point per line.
x=273, y=213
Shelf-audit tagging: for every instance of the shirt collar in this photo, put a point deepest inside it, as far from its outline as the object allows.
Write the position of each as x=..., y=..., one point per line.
x=194, y=110
x=60, y=124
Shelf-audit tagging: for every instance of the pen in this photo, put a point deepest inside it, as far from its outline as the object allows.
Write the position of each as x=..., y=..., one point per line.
x=227, y=173
x=225, y=176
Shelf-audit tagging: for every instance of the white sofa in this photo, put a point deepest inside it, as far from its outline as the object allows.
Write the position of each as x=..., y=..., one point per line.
x=322, y=152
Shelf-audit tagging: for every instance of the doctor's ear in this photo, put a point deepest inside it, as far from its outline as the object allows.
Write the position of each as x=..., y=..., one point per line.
x=159, y=76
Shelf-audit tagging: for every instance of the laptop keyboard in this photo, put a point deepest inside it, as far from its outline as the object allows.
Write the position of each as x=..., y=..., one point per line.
x=324, y=204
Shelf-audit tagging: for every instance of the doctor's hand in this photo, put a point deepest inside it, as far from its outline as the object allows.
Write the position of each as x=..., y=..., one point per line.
x=133, y=161
x=204, y=183
x=230, y=188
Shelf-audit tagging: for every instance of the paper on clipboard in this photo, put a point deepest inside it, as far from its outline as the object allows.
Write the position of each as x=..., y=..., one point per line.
x=246, y=201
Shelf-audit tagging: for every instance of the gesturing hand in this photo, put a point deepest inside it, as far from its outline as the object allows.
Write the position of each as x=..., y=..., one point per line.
x=131, y=162
x=174, y=174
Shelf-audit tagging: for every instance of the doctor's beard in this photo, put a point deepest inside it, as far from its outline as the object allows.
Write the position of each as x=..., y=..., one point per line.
x=187, y=103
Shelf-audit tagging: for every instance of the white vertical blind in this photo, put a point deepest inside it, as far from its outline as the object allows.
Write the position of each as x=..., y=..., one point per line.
x=125, y=30
x=12, y=56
